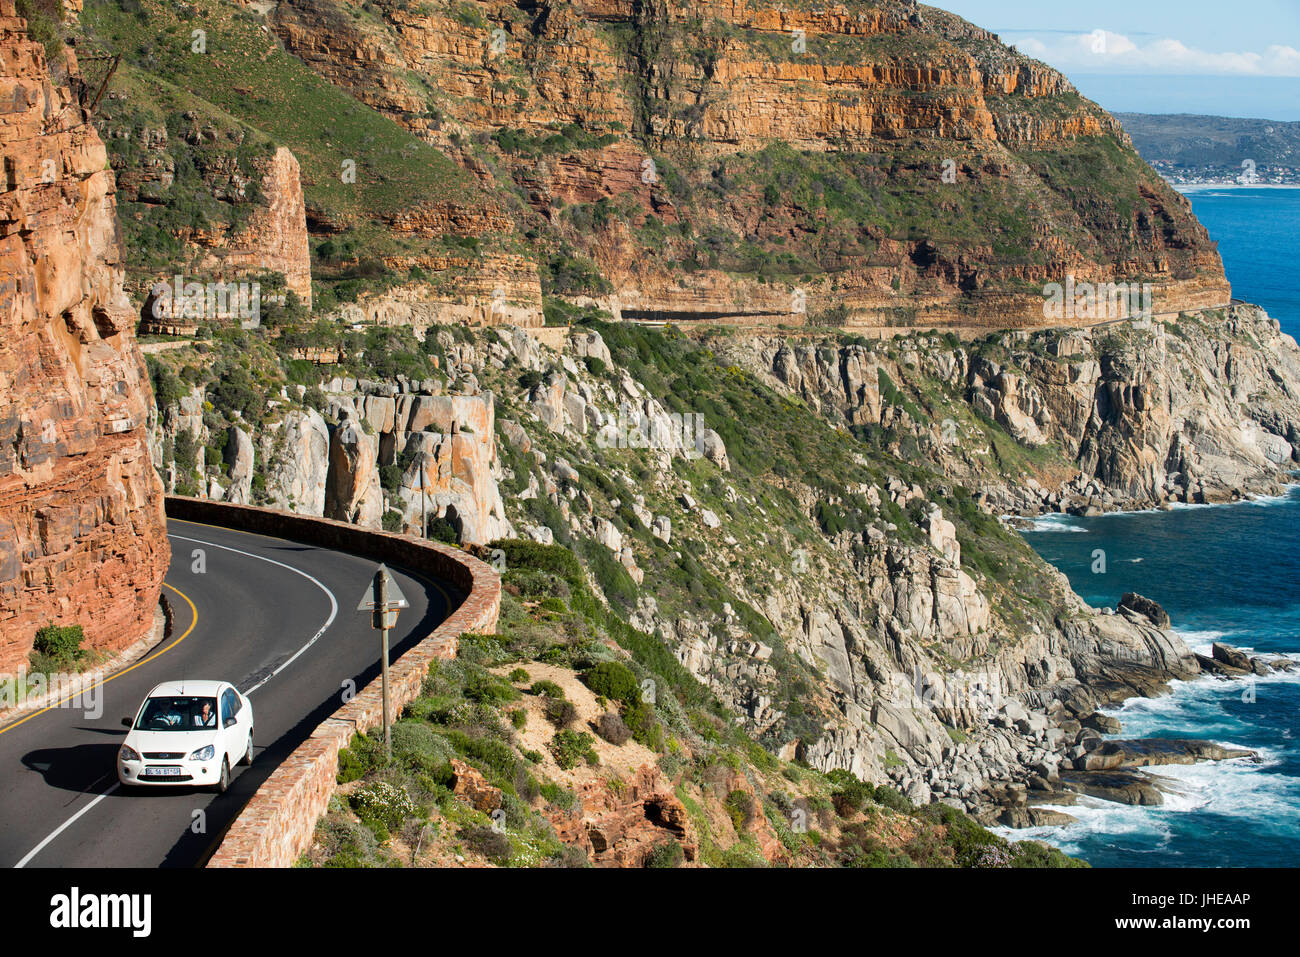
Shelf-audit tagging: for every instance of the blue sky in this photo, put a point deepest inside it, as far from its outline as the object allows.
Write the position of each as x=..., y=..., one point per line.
x=1238, y=58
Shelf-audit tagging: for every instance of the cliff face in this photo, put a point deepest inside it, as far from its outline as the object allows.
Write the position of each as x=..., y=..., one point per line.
x=842, y=594
x=81, y=517
x=887, y=157
x=330, y=461
x=276, y=237
x=1132, y=416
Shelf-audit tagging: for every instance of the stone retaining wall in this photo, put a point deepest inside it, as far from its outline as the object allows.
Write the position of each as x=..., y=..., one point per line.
x=277, y=825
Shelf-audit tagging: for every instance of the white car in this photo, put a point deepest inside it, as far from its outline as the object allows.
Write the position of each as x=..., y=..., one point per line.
x=187, y=733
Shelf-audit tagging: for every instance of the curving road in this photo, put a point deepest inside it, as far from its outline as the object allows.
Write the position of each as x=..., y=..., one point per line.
x=273, y=617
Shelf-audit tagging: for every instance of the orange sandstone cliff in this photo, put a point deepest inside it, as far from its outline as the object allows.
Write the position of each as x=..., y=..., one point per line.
x=82, y=537
x=893, y=163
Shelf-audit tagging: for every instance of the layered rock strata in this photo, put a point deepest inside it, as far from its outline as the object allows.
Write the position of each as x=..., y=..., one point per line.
x=82, y=537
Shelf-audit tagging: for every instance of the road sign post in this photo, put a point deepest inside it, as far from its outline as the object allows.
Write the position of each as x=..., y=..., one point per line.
x=383, y=599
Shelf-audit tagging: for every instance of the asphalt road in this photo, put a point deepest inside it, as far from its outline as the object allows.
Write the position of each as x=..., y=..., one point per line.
x=273, y=617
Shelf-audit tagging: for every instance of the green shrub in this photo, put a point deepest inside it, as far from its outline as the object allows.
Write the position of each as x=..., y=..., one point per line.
x=390, y=478
x=893, y=799
x=559, y=796
x=494, y=845
x=383, y=807
x=346, y=843
x=612, y=728
x=570, y=747
x=487, y=688
x=668, y=854
x=645, y=727
x=441, y=530
x=519, y=676
x=848, y=794
x=520, y=554
x=60, y=644
x=360, y=757
x=547, y=689
x=560, y=713
x=420, y=747
x=740, y=808
x=614, y=680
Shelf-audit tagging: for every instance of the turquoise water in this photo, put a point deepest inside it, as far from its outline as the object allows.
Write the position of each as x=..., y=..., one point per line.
x=1258, y=232
x=1229, y=573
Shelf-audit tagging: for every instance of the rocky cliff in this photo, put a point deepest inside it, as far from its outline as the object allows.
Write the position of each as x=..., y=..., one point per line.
x=380, y=452
x=1135, y=415
x=891, y=162
x=854, y=594
x=81, y=521
x=253, y=223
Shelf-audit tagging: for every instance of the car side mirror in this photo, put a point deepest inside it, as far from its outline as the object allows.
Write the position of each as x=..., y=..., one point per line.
x=230, y=722
x=126, y=722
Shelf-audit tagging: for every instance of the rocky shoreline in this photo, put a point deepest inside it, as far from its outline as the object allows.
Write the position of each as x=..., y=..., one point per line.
x=1110, y=769
x=1087, y=500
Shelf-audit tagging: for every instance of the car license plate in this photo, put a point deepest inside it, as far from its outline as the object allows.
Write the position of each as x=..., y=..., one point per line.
x=162, y=772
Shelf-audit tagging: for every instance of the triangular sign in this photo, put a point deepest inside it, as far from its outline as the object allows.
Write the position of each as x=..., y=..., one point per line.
x=393, y=594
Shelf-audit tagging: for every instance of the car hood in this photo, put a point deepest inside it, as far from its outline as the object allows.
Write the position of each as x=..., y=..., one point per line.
x=173, y=741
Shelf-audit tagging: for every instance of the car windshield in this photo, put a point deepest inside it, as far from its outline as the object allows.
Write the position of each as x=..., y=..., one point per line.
x=179, y=713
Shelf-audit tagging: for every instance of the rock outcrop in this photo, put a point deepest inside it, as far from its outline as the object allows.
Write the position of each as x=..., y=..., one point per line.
x=265, y=224
x=82, y=537
x=275, y=237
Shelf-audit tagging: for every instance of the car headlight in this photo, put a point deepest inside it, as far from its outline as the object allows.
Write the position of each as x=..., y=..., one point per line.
x=203, y=754
x=128, y=754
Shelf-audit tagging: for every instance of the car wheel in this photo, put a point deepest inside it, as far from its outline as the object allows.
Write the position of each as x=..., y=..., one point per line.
x=224, y=781
x=247, y=759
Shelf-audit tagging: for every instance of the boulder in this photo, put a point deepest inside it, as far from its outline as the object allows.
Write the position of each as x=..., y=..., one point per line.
x=1230, y=656
x=352, y=492
x=297, y=476
x=710, y=445
x=1145, y=608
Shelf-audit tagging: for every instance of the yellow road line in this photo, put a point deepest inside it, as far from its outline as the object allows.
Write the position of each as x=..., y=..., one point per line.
x=194, y=620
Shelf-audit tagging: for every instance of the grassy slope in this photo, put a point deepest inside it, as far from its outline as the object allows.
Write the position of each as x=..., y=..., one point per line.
x=247, y=74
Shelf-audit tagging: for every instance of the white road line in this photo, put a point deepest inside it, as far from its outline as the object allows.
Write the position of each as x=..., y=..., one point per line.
x=334, y=610
x=64, y=826
x=334, y=605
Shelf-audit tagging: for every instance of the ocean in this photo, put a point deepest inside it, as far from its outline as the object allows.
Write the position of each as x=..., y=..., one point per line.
x=1224, y=573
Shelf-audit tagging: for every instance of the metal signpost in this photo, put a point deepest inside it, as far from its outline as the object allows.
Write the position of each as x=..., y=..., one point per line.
x=383, y=599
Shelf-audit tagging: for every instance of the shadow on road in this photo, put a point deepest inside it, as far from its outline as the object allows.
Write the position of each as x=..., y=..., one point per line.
x=75, y=768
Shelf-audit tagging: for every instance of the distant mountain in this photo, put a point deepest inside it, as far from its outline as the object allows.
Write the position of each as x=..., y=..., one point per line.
x=1215, y=147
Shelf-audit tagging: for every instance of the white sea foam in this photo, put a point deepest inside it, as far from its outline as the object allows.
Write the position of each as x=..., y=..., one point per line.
x=1238, y=789
x=1200, y=640
x=1260, y=501
x=1056, y=523
x=1094, y=817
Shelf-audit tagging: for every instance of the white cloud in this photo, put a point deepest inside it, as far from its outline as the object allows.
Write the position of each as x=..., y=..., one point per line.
x=1104, y=52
